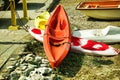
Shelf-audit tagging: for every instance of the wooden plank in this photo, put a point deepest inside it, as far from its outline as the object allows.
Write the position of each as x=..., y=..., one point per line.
x=3, y=48
x=4, y=57
x=12, y=46
x=8, y=38
x=14, y=54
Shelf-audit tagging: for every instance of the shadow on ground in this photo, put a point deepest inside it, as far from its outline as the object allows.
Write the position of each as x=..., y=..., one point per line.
x=53, y=5
x=71, y=64
x=74, y=62
x=93, y=19
x=6, y=22
x=31, y=6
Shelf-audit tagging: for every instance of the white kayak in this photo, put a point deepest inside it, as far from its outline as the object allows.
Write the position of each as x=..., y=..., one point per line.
x=81, y=45
x=36, y=33
x=110, y=34
x=91, y=47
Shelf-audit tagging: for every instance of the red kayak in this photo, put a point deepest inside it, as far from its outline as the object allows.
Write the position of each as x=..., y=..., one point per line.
x=57, y=37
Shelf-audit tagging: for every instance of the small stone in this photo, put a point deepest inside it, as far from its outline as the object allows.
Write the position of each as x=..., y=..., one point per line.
x=10, y=67
x=43, y=70
x=5, y=76
x=75, y=28
x=24, y=67
x=47, y=78
x=24, y=64
x=44, y=65
x=45, y=61
x=30, y=55
x=17, y=64
x=22, y=60
x=53, y=75
x=14, y=75
x=27, y=71
x=18, y=70
x=22, y=78
x=38, y=59
x=67, y=73
x=35, y=75
x=12, y=59
x=29, y=59
x=31, y=66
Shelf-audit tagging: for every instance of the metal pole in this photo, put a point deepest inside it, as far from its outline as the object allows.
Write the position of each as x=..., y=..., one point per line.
x=25, y=15
x=13, y=16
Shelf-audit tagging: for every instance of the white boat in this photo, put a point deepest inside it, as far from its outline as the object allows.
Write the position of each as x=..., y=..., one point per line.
x=81, y=45
x=110, y=34
x=107, y=10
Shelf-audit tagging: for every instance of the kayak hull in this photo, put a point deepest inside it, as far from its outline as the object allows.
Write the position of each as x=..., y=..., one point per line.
x=109, y=51
x=107, y=10
x=110, y=34
x=57, y=37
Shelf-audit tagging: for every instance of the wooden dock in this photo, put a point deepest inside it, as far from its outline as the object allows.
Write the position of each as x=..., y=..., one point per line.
x=11, y=43
x=14, y=42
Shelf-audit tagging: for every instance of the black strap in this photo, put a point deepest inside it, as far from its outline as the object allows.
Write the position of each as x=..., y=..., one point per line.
x=59, y=44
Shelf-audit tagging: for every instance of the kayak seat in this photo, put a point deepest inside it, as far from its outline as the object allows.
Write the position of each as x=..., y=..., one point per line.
x=57, y=34
x=57, y=38
x=58, y=44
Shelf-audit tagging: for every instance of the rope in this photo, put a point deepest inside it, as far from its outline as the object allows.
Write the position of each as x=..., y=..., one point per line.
x=21, y=22
x=58, y=44
x=18, y=16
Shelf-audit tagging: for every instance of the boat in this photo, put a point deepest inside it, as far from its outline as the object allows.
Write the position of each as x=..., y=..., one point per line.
x=36, y=33
x=57, y=36
x=106, y=9
x=109, y=34
x=80, y=45
x=91, y=47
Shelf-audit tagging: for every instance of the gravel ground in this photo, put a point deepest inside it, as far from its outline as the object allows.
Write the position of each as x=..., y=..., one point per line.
x=89, y=67
x=80, y=20
x=75, y=66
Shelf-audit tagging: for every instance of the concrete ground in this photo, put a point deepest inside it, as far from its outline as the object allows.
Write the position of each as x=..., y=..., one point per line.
x=13, y=42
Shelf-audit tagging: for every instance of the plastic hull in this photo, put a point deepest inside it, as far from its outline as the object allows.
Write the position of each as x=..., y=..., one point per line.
x=57, y=37
x=107, y=10
x=78, y=45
